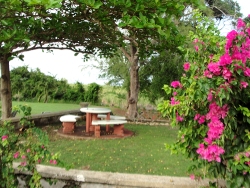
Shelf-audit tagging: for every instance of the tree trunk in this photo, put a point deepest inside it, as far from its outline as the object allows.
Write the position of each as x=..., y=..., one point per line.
x=5, y=86
x=134, y=84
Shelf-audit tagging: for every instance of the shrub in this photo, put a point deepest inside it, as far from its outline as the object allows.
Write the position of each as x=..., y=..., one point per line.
x=92, y=93
x=211, y=106
x=28, y=145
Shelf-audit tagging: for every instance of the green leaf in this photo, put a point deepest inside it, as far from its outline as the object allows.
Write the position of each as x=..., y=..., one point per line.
x=239, y=181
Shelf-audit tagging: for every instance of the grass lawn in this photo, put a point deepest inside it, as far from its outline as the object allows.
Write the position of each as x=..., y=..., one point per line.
x=38, y=108
x=143, y=153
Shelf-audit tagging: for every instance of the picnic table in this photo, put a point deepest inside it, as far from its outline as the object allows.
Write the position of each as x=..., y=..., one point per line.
x=92, y=114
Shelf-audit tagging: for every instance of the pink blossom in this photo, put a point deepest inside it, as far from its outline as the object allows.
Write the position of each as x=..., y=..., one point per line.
x=4, y=137
x=211, y=152
x=173, y=101
x=196, y=48
x=243, y=84
x=225, y=60
x=231, y=35
x=247, y=154
x=247, y=72
x=192, y=176
x=174, y=93
x=240, y=24
x=186, y=66
x=208, y=141
x=216, y=128
x=179, y=118
x=28, y=150
x=176, y=84
x=53, y=162
x=23, y=163
x=210, y=96
x=23, y=157
x=202, y=119
x=16, y=155
x=196, y=40
x=208, y=74
x=214, y=68
x=226, y=73
x=197, y=116
x=39, y=161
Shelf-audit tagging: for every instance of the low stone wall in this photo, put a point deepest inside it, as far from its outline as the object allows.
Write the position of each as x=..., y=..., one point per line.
x=95, y=179
x=45, y=118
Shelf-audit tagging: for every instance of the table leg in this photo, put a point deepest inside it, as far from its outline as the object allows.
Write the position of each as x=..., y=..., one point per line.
x=93, y=117
x=107, y=126
x=88, y=120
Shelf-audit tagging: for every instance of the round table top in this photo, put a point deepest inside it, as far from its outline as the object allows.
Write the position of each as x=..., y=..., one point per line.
x=95, y=110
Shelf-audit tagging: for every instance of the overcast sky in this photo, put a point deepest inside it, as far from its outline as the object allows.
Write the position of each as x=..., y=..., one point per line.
x=63, y=63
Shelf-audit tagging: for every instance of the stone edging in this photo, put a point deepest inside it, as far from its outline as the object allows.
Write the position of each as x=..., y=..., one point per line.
x=85, y=178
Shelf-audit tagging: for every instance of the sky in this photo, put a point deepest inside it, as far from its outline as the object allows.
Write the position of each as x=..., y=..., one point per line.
x=62, y=64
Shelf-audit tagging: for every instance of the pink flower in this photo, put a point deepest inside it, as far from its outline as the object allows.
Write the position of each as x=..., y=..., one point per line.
x=240, y=24
x=202, y=119
x=247, y=72
x=226, y=73
x=196, y=40
x=174, y=93
x=210, y=96
x=214, y=68
x=208, y=74
x=53, y=162
x=16, y=155
x=176, y=84
x=243, y=84
x=196, y=48
x=173, y=101
x=186, y=66
x=4, y=137
x=197, y=116
x=210, y=152
x=225, y=60
x=23, y=163
x=179, y=118
x=39, y=161
x=28, y=150
x=192, y=176
x=247, y=154
x=23, y=157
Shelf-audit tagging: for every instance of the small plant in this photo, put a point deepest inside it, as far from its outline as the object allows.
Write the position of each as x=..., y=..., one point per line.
x=28, y=145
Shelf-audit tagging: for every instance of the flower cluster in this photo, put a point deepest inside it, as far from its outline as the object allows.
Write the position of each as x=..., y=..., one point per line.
x=211, y=104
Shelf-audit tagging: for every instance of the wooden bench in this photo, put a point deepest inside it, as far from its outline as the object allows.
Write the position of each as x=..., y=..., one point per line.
x=104, y=116
x=68, y=123
x=118, y=126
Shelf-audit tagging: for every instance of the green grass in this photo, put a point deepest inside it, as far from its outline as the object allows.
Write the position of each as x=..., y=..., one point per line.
x=38, y=108
x=143, y=153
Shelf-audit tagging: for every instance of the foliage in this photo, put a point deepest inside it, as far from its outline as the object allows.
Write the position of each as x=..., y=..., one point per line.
x=224, y=8
x=160, y=69
x=35, y=85
x=29, y=145
x=92, y=93
x=211, y=105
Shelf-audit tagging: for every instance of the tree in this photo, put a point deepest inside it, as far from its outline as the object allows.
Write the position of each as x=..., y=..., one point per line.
x=141, y=29
x=46, y=24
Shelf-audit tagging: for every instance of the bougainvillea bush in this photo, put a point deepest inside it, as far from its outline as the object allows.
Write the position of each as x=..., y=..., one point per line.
x=28, y=146
x=211, y=105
